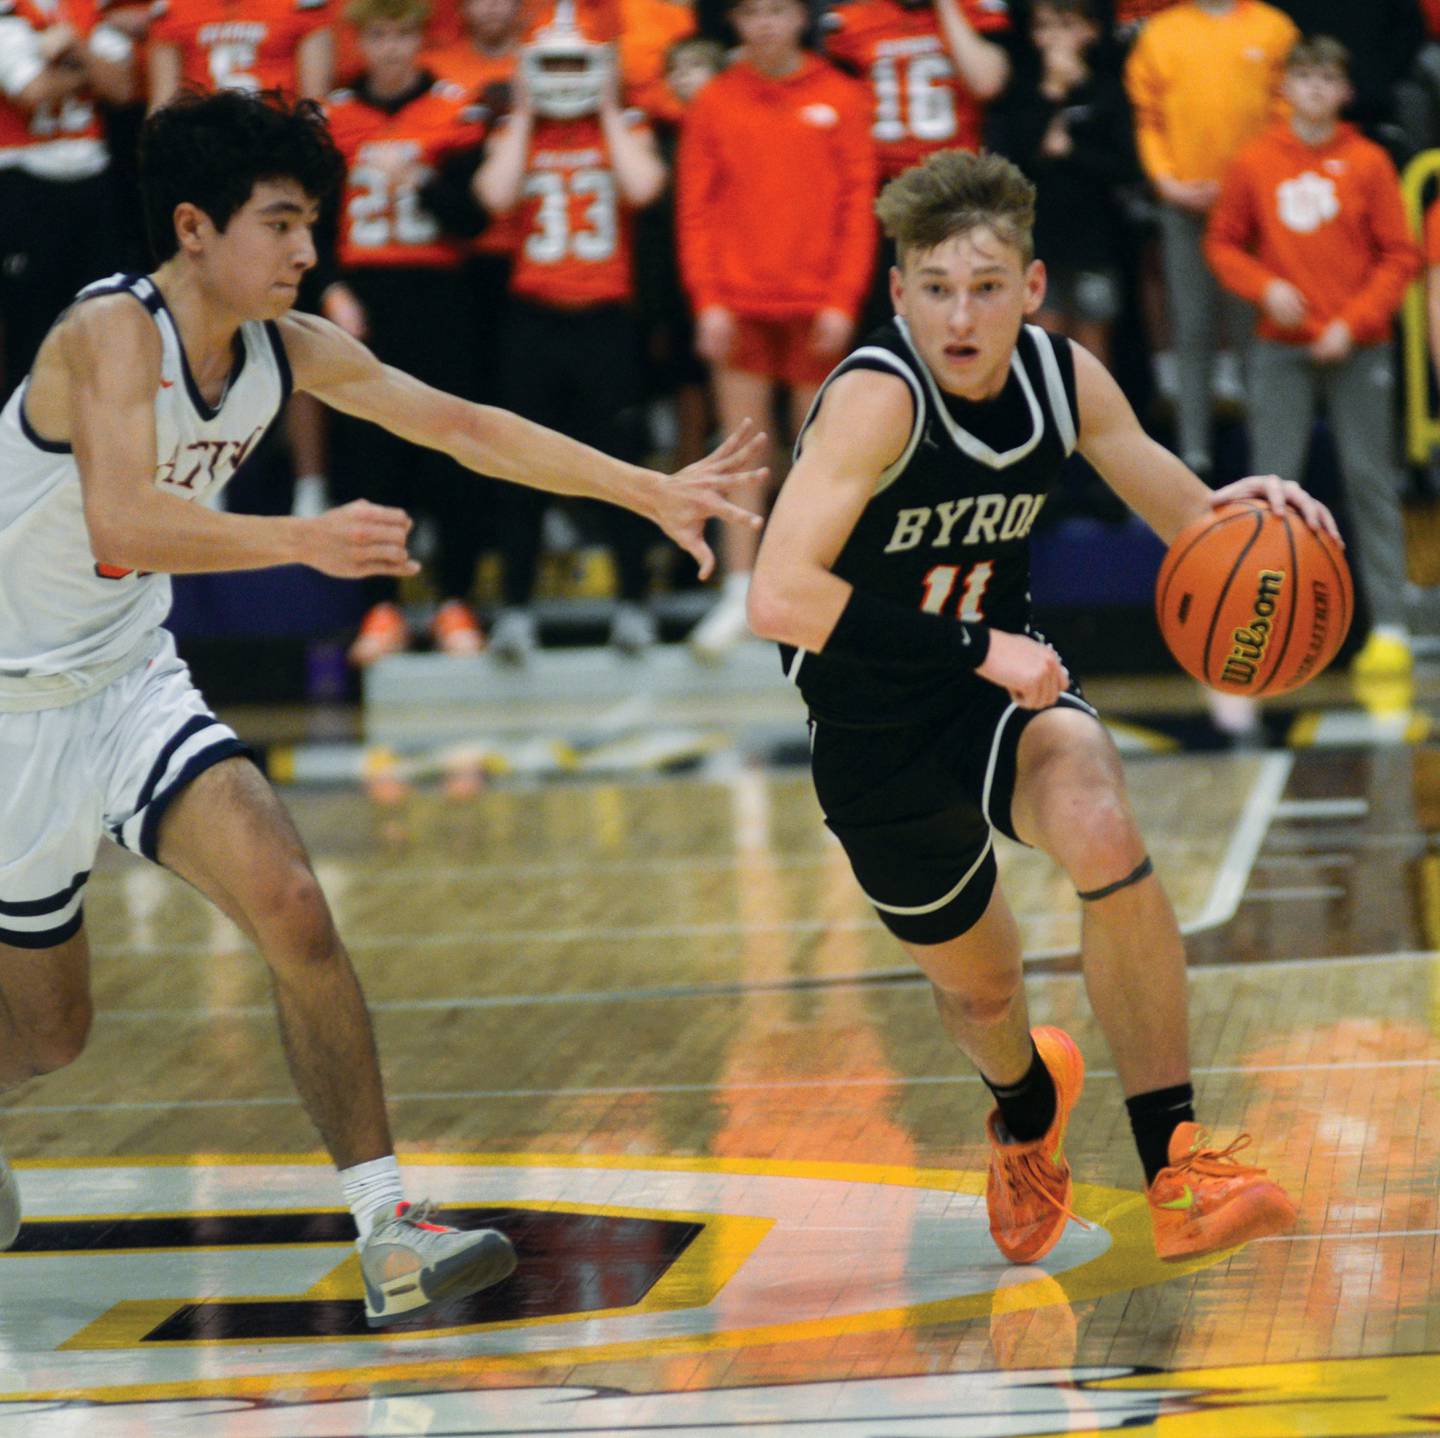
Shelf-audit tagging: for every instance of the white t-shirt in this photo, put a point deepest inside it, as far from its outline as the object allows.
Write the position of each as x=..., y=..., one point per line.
x=66, y=626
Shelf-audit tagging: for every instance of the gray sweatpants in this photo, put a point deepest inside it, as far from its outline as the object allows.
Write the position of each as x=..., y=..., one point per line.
x=1285, y=388
x=1199, y=308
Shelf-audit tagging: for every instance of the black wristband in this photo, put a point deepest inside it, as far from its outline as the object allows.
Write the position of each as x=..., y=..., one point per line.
x=874, y=630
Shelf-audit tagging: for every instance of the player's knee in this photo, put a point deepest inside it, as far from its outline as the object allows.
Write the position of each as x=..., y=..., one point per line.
x=61, y=1039
x=1105, y=835
x=297, y=926
x=979, y=1003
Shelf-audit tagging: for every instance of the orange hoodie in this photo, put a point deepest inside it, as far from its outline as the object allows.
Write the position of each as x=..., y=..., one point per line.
x=774, y=185
x=1328, y=218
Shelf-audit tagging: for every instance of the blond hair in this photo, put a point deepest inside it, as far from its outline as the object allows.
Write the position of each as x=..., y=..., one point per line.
x=954, y=192
x=361, y=13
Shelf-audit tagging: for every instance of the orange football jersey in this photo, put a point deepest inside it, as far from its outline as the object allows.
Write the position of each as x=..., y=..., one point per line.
x=382, y=223
x=921, y=104
x=73, y=119
x=238, y=44
x=576, y=245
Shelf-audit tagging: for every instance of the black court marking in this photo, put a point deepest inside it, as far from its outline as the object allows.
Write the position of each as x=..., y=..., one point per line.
x=570, y=1263
x=1296, y=580
x=1173, y=563
x=1225, y=592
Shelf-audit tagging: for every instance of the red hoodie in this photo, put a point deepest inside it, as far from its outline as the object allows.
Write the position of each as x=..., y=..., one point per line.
x=774, y=186
x=1328, y=218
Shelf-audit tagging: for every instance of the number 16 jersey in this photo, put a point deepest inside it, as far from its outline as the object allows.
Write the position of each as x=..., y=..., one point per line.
x=947, y=529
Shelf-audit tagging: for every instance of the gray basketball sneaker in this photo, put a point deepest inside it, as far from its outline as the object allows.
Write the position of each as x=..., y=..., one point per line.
x=410, y=1262
x=9, y=1206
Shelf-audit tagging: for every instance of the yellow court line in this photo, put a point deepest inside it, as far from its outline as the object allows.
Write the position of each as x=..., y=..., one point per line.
x=708, y=1263
x=1129, y=1263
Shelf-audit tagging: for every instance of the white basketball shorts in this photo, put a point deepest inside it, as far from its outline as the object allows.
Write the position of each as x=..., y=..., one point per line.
x=107, y=766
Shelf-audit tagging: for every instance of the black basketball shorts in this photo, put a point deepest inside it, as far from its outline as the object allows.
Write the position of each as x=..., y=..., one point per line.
x=915, y=808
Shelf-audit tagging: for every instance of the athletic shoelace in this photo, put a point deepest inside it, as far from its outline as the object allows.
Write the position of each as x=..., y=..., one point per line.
x=1023, y=1171
x=1217, y=1162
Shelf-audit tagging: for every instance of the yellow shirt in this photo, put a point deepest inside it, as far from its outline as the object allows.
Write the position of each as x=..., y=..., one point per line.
x=1204, y=84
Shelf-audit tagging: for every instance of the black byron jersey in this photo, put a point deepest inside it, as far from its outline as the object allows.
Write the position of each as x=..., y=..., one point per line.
x=948, y=527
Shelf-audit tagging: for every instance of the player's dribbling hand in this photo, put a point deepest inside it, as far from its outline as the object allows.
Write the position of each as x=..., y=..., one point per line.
x=1278, y=494
x=359, y=539
x=696, y=493
x=1030, y=671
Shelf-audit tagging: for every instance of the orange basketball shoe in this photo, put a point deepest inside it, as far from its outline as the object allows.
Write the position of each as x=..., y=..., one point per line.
x=383, y=631
x=1028, y=1189
x=1206, y=1200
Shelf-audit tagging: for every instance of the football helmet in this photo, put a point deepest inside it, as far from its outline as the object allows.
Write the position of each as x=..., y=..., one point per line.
x=565, y=72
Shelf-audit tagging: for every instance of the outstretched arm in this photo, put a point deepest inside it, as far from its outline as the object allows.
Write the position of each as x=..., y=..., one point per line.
x=795, y=597
x=345, y=375
x=109, y=367
x=1151, y=480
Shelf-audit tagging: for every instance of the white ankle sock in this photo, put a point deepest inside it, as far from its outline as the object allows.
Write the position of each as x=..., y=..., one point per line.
x=372, y=1189
x=736, y=585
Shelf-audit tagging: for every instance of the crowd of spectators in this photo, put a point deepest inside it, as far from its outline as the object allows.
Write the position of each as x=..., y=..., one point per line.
x=642, y=220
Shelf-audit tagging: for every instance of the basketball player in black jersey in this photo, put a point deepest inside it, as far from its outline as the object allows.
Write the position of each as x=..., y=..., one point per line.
x=895, y=575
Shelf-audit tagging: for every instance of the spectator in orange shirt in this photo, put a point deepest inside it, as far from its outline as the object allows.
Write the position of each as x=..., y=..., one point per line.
x=1203, y=79
x=1310, y=226
x=57, y=213
x=401, y=290
x=649, y=32
x=931, y=65
x=272, y=44
x=574, y=165
x=486, y=53
x=775, y=182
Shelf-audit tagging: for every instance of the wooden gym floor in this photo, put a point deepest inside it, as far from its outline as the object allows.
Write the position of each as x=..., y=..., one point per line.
x=649, y=1026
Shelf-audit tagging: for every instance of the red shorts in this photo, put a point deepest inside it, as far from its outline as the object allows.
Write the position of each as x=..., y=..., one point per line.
x=779, y=350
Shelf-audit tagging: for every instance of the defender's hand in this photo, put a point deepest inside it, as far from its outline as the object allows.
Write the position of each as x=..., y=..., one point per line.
x=357, y=540
x=1278, y=494
x=1031, y=671
x=687, y=499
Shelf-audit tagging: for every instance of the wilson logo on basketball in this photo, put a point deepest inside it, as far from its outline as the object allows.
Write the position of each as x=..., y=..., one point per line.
x=1251, y=642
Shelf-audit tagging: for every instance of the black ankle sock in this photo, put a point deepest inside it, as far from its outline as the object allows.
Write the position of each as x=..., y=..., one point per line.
x=1027, y=1108
x=1154, y=1116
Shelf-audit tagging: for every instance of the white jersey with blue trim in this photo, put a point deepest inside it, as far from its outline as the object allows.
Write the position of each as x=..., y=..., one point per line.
x=68, y=625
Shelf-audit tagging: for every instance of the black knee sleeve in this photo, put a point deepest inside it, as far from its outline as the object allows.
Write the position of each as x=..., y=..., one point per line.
x=1141, y=871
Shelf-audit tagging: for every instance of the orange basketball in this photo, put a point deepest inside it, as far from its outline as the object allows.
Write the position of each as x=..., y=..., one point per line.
x=1254, y=602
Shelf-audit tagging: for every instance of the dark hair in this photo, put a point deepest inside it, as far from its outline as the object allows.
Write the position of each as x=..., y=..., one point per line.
x=211, y=149
x=1085, y=9
x=1316, y=52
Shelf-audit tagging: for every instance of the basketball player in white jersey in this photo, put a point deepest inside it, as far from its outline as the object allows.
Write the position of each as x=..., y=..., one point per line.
x=147, y=395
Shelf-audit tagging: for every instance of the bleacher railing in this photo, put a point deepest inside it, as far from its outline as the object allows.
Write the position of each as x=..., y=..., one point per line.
x=1422, y=424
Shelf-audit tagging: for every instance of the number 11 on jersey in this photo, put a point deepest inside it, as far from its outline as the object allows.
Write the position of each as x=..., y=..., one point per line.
x=940, y=585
